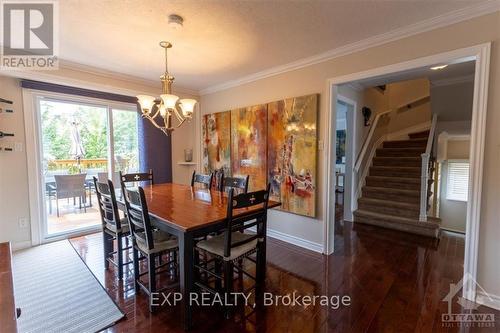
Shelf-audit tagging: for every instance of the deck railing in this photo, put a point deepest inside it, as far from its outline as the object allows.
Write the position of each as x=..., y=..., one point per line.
x=89, y=163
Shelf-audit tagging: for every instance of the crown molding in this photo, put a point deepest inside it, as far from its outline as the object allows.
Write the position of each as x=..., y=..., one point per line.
x=404, y=32
x=70, y=65
x=453, y=80
x=149, y=86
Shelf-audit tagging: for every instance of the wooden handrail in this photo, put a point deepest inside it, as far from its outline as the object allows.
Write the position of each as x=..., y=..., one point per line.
x=424, y=180
x=368, y=139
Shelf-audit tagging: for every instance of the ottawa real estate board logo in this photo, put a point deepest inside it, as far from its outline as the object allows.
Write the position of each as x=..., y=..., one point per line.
x=463, y=313
x=29, y=35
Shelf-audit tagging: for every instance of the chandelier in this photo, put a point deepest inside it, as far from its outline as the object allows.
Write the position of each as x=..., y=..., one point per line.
x=168, y=105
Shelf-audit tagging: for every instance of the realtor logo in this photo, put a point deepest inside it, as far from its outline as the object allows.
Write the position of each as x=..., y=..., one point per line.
x=466, y=316
x=29, y=31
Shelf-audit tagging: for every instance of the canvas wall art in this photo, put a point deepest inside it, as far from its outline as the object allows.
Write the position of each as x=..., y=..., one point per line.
x=249, y=145
x=292, y=149
x=216, y=134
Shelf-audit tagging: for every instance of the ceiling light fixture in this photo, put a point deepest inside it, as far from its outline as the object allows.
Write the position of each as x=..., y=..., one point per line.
x=175, y=21
x=436, y=68
x=168, y=104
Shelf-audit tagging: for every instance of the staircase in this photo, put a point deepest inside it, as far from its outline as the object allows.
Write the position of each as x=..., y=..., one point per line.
x=391, y=195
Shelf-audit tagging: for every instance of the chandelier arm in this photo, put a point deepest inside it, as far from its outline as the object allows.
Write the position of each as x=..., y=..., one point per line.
x=178, y=116
x=152, y=121
x=181, y=122
x=156, y=114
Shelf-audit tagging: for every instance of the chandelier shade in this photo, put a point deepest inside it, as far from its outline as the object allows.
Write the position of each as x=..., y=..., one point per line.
x=168, y=105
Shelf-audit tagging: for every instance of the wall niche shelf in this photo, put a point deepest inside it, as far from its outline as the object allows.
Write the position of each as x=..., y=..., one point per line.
x=186, y=163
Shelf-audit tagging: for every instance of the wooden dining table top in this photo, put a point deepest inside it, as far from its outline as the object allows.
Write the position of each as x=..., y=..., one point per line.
x=188, y=208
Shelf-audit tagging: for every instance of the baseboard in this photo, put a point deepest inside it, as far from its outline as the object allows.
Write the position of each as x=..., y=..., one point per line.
x=20, y=245
x=489, y=300
x=453, y=230
x=295, y=240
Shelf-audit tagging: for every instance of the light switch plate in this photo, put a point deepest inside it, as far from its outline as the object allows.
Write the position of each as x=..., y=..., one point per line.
x=18, y=146
x=23, y=223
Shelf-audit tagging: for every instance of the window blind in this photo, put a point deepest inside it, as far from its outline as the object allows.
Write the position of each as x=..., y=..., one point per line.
x=458, y=181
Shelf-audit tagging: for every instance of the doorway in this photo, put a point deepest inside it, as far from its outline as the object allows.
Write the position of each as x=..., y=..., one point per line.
x=80, y=139
x=480, y=55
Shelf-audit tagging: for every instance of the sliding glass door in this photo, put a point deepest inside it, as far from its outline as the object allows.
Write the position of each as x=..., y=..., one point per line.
x=81, y=140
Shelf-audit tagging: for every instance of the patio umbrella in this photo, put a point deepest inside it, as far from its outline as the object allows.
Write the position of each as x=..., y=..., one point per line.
x=77, y=150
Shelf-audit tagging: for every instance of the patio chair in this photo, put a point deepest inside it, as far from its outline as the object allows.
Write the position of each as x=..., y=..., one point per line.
x=71, y=186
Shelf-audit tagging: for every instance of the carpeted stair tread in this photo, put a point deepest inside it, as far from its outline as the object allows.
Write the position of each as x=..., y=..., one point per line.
x=389, y=203
x=400, y=152
x=405, y=143
x=397, y=161
x=395, y=171
x=391, y=191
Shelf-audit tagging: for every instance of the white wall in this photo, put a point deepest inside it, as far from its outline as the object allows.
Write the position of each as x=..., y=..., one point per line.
x=14, y=203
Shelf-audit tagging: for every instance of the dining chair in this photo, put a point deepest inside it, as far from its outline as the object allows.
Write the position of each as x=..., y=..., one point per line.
x=102, y=177
x=233, y=244
x=239, y=184
x=218, y=176
x=114, y=226
x=204, y=180
x=71, y=186
x=137, y=177
x=149, y=242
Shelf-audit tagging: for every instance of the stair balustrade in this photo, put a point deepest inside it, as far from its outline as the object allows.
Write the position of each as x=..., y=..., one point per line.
x=426, y=171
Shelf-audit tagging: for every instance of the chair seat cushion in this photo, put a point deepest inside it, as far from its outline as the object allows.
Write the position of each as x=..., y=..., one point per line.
x=161, y=241
x=215, y=245
x=124, y=226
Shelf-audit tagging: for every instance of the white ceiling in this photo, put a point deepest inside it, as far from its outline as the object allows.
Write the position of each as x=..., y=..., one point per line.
x=226, y=39
x=461, y=69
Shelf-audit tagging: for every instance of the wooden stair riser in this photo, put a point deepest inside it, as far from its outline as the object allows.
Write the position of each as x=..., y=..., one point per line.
x=384, y=195
x=398, y=161
x=419, y=135
x=395, y=172
x=399, y=152
x=405, y=144
x=394, y=211
x=396, y=226
x=373, y=181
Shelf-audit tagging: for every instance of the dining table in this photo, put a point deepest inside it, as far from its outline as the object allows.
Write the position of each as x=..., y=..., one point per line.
x=189, y=213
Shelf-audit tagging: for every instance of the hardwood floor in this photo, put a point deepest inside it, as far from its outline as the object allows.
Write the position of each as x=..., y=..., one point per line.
x=396, y=282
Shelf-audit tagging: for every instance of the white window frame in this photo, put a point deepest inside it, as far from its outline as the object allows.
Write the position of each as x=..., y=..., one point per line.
x=450, y=196
x=31, y=105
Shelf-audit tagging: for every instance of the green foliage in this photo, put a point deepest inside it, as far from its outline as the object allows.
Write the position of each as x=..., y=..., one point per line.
x=57, y=140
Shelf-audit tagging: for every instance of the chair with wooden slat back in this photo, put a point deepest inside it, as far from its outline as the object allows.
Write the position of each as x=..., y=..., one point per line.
x=136, y=178
x=234, y=243
x=204, y=180
x=112, y=225
x=239, y=184
x=151, y=243
x=218, y=177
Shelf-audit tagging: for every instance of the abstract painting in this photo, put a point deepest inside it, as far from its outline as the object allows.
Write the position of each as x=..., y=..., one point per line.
x=216, y=134
x=292, y=149
x=249, y=144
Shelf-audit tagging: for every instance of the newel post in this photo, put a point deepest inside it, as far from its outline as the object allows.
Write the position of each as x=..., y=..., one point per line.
x=424, y=182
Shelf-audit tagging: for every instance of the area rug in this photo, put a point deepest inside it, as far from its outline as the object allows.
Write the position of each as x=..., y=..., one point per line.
x=58, y=293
